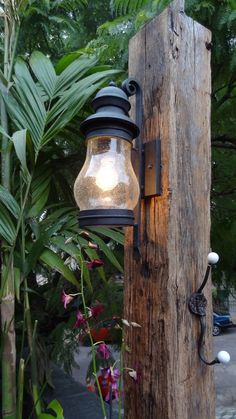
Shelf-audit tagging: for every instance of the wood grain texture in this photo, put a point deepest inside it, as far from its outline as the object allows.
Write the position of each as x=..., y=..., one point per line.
x=170, y=59
x=177, y=5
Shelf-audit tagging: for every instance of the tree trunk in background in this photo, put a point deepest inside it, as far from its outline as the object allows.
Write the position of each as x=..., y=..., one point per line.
x=170, y=57
x=7, y=302
x=8, y=357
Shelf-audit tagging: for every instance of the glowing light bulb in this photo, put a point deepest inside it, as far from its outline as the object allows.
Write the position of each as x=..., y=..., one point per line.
x=107, y=176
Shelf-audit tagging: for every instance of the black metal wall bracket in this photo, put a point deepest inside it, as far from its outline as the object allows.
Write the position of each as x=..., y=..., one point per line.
x=197, y=306
x=146, y=160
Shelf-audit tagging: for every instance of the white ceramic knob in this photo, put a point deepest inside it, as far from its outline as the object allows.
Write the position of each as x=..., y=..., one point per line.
x=212, y=258
x=223, y=357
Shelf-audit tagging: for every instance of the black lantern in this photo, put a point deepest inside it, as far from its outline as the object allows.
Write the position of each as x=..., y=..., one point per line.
x=107, y=190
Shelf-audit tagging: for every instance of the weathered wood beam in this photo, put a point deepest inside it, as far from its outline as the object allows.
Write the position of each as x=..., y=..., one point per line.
x=170, y=58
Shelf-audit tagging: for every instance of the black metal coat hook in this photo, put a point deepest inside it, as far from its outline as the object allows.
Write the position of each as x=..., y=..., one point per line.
x=197, y=306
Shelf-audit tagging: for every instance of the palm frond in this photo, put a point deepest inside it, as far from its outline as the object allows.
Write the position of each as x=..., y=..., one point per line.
x=124, y=7
x=67, y=93
x=7, y=228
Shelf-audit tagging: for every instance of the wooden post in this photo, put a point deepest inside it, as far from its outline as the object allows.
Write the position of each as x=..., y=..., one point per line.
x=170, y=57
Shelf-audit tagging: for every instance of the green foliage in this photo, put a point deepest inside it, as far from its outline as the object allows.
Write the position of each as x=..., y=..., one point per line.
x=46, y=106
x=41, y=235
x=55, y=406
x=130, y=6
x=7, y=228
x=220, y=18
x=56, y=27
x=224, y=214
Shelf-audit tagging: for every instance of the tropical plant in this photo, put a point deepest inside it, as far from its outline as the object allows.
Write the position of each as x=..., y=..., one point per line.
x=45, y=25
x=35, y=107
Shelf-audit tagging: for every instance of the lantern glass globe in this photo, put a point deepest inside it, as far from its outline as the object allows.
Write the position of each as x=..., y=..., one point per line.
x=107, y=179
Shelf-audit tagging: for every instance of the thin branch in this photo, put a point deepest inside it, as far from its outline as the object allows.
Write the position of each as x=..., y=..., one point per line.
x=226, y=145
x=223, y=193
x=227, y=95
x=223, y=141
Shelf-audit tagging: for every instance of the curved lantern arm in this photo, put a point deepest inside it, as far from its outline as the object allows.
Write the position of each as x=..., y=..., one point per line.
x=131, y=87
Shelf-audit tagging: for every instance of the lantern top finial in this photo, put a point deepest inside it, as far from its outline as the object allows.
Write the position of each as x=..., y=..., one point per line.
x=111, y=96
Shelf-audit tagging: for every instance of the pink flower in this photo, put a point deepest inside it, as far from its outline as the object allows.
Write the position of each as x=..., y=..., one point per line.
x=108, y=381
x=103, y=351
x=96, y=310
x=95, y=263
x=80, y=320
x=93, y=245
x=66, y=298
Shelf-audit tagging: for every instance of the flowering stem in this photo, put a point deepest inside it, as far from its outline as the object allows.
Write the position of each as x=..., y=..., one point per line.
x=110, y=397
x=121, y=374
x=91, y=340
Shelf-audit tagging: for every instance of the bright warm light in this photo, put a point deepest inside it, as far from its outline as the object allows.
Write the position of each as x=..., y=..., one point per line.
x=107, y=179
x=107, y=176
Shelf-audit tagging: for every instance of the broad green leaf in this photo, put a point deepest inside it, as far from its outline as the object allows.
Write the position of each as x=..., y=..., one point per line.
x=3, y=79
x=69, y=248
x=74, y=72
x=7, y=228
x=57, y=409
x=109, y=232
x=55, y=215
x=44, y=71
x=72, y=101
x=3, y=132
x=109, y=254
x=40, y=190
x=35, y=251
x=19, y=141
x=25, y=104
x=40, y=182
x=55, y=262
x=66, y=60
x=55, y=405
x=98, y=68
x=72, y=250
x=9, y=202
x=39, y=205
x=79, y=91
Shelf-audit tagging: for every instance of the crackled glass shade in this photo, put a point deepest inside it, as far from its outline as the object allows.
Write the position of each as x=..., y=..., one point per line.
x=107, y=179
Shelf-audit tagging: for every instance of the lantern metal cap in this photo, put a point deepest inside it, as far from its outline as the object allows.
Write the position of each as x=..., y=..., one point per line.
x=111, y=105
x=111, y=96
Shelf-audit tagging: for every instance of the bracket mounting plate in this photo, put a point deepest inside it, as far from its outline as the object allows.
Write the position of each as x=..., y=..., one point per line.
x=152, y=168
